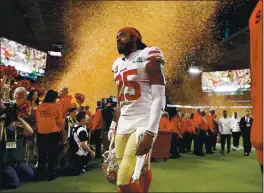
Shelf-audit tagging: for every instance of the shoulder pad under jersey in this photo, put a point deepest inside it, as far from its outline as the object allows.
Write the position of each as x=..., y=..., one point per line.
x=153, y=53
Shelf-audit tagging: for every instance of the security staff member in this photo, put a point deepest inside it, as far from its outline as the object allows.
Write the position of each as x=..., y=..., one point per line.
x=202, y=134
x=210, y=136
x=49, y=125
x=245, y=126
x=196, y=126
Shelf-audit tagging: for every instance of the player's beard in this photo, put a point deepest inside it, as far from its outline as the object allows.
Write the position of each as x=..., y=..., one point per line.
x=125, y=48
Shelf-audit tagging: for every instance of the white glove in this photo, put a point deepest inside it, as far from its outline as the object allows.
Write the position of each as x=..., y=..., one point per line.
x=111, y=134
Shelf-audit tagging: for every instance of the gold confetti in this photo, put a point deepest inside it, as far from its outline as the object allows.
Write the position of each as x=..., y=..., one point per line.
x=176, y=27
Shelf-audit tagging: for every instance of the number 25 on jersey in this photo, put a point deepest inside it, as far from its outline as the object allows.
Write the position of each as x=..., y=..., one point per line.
x=123, y=82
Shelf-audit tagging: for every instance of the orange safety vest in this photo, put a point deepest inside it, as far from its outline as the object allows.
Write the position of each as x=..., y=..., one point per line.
x=97, y=122
x=49, y=118
x=256, y=62
x=210, y=121
x=164, y=123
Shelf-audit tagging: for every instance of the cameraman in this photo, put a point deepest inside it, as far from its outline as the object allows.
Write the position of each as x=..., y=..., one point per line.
x=107, y=114
x=14, y=168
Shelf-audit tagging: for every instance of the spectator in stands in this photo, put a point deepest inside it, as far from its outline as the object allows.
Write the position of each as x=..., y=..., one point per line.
x=33, y=98
x=80, y=144
x=74, y=105
x=4, y=90
x=11, y=95
x=14, y=168
x=236, y=133
x=65, y=101
x=225, y=128
x=88, y=112
x=23, y=105
x=97, y=126
x=82, y=109
x=31, y=147
x=2, y=85
x=245, y=126
x=49, y=125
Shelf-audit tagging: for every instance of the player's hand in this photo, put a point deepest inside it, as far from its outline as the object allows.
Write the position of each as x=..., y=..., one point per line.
x=144, y=145
x=111, y=134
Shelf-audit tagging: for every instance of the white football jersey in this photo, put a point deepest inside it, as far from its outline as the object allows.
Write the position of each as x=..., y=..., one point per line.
x=134, y=89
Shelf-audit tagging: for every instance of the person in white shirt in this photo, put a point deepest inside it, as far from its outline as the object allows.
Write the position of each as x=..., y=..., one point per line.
x=81, y=148
x=236, y=132
x=225, y=128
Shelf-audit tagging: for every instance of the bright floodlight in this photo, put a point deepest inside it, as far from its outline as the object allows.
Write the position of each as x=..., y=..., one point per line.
x=52, y=53
x=194, y=70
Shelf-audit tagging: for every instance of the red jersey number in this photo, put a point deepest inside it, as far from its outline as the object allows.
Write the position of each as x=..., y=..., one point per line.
x=125, y=82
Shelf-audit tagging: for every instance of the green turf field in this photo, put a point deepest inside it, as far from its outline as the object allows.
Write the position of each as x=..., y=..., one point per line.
x=212, y=173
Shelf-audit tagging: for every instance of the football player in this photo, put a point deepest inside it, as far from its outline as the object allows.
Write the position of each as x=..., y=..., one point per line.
x=256, y=62
x=141, y=90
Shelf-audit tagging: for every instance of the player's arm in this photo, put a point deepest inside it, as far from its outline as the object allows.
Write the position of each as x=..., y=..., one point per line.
x=157, y=84
x=154, y=68
x=84, y=143
x=27, y=130
x=116, y=116
x=114, y=122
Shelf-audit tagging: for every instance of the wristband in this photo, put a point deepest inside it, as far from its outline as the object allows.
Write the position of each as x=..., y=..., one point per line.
x=150, y=133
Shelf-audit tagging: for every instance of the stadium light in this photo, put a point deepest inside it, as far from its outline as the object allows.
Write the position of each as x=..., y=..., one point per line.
x=194, y=70
x=53, y=53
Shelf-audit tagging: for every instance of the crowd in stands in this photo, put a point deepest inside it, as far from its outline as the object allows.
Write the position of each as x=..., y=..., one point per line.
x=64, y=136
x=52, y=131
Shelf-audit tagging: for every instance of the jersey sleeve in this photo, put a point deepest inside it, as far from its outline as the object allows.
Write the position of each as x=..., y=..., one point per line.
x=115, y=65
x=154, y=54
